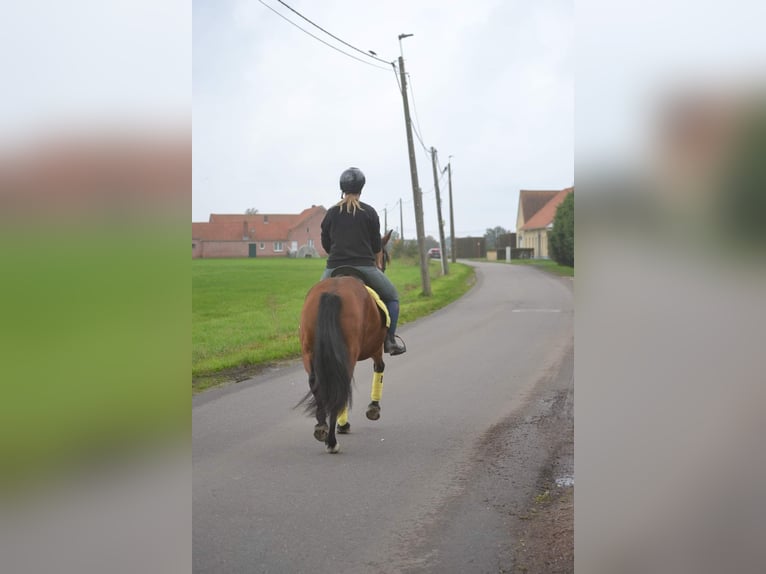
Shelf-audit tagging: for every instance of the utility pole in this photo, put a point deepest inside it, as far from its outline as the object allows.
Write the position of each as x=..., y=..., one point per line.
x=445, y=269
x=416, y=193
x=401, y=221
x=451, y=212
x=385, y=220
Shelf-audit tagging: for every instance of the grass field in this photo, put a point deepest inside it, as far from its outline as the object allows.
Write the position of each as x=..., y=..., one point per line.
x=245, y=312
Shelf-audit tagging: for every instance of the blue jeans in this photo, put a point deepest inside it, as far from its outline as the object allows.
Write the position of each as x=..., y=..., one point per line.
x=376, y=279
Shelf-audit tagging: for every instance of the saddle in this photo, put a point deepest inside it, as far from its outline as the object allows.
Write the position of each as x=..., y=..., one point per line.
x=347, y=271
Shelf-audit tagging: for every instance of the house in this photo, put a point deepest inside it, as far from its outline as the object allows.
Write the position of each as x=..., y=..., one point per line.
x=530, y=202
x=534, y=219
x=260, y=235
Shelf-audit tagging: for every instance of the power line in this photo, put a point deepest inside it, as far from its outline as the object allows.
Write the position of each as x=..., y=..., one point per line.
x=414, y=128
x=420, y=139
x=417, y=120
x=396, y=75
x=433, y=187
x=320, y=39
x=333, y=35
x=427, y=153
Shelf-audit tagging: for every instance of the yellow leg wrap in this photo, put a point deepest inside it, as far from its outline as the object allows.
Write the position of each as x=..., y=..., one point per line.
x=343, y=416
x=377, y=386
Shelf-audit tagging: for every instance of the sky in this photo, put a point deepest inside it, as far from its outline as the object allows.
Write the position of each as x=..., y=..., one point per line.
x=278, y=115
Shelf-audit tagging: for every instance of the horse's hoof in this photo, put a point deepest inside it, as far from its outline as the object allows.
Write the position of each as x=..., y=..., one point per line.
x=321, y=432
x=373, y=411
x=333, y=449
x=344, y=429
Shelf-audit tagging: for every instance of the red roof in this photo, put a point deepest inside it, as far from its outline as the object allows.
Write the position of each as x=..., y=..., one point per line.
x=544, y=217
x=532, y=201
x=232, y=231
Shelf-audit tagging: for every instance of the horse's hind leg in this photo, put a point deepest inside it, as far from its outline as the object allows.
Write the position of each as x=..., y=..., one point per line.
x=320, y=429
x=373, y=409
x=332, y=443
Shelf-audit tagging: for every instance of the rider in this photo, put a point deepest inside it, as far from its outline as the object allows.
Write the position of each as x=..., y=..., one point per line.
x=351, y=236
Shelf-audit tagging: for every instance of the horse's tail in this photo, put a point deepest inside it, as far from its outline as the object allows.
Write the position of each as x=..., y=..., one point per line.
x=331, y=366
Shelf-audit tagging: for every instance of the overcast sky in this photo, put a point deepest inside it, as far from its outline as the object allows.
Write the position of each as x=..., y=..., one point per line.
x=277, y=115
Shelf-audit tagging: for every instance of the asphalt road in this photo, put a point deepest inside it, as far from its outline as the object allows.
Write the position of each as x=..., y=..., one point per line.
x=471, y=416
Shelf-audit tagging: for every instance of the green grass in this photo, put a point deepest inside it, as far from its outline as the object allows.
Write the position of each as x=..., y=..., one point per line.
x=246, y=312
x=444, y=289
x=547, y=265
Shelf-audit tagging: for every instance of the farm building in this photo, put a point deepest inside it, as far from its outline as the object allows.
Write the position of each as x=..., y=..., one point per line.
x=535, y=218
x=260, y=235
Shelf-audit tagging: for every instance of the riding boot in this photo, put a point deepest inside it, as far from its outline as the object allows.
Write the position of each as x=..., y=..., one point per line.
x=391, y=345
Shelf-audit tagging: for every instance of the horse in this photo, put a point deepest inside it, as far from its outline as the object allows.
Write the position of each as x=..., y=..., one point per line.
x=341, y=324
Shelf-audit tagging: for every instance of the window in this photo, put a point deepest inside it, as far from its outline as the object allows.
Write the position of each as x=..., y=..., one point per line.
x=194, y=245
x=261, y=246
x=278, y=246
x=265, y=218
x=311, y=243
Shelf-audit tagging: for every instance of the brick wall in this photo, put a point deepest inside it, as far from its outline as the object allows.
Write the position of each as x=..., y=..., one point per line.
x=209, y=249
x=309, y=229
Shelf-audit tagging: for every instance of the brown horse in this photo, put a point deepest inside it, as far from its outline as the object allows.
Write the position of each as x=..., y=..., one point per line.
x=340, y=325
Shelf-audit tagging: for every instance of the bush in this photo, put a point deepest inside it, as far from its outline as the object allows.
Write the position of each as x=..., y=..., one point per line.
x=404, y=248
x=561, y=237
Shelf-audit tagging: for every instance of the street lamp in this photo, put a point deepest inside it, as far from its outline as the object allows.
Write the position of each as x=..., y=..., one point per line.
x=401, y=37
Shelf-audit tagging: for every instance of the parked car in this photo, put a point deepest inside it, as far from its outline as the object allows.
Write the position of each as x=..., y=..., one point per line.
x=435, y=253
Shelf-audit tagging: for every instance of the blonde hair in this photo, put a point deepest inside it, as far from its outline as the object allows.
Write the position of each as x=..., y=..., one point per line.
x=351, y=202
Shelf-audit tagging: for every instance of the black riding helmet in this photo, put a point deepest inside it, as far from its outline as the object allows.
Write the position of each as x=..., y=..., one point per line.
x=352, y=180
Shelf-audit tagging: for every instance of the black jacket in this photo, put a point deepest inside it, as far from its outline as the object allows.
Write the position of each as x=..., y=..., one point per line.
x=351, y=238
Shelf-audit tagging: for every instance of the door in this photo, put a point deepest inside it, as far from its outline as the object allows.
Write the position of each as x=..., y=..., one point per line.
x=251, y=250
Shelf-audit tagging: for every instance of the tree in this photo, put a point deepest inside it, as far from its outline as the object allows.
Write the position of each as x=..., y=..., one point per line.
x=430, y=242
x=491, y=236
x=561, y=237
x=409, y=247
x=251, y=211
x=404, y=248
